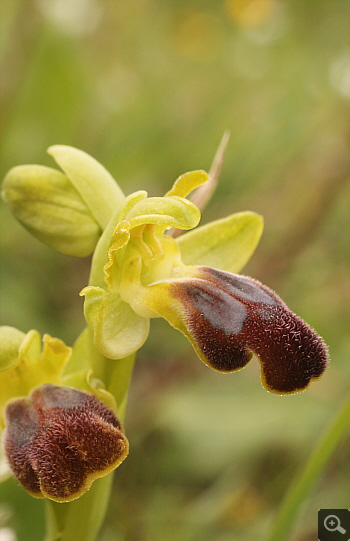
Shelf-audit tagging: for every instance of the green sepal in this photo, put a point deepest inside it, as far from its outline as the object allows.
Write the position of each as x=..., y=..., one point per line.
x=46, y=203
x=36, y=364
x=226, y=244
x=94, y=183
x=130, y=201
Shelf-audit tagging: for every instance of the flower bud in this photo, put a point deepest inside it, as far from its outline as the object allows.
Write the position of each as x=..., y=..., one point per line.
x=48, y=206
x=60, y=439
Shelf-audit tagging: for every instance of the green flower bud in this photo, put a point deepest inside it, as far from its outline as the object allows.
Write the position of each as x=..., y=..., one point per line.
x=48, y=206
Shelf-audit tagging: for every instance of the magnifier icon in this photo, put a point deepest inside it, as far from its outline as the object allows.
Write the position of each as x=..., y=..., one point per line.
x=332, y=524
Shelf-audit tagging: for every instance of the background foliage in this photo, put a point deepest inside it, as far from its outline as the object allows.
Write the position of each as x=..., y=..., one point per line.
x=148, y=88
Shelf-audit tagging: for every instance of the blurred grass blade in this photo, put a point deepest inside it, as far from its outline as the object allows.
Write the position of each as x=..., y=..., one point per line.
x=305, y=480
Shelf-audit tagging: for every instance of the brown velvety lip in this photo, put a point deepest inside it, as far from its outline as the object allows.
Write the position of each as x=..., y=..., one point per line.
x=230, y=317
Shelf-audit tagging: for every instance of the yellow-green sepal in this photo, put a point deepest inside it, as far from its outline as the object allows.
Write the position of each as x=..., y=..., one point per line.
x=94, y=183
x=226, y=244
x=47, y=204
x=36, y=363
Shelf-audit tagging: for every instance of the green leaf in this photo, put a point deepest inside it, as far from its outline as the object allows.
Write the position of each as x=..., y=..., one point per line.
x=96, y=186
x=226, y=244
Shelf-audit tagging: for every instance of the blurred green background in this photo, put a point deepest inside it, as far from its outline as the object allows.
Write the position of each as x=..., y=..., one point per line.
x=148, y=87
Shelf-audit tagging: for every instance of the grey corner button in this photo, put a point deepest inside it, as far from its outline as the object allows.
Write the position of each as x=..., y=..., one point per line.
x=334, y=525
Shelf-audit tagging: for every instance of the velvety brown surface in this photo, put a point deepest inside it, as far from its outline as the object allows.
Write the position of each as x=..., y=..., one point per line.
x=230, y=317
x=58, y=437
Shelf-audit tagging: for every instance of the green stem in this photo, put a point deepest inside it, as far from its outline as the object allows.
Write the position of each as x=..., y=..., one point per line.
x=82, y=519
x=305, y=480
x=118, y=376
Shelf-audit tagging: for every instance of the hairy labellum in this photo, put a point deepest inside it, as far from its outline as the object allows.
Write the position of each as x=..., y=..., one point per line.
x=60, y=439
x=229, y=317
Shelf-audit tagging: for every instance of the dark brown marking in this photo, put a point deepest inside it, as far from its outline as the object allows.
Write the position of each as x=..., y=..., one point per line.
x=230, y=317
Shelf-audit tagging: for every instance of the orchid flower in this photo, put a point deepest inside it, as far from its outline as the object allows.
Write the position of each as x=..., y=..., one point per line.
x=53, y=432
x=61, y=399
x=227, y=317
